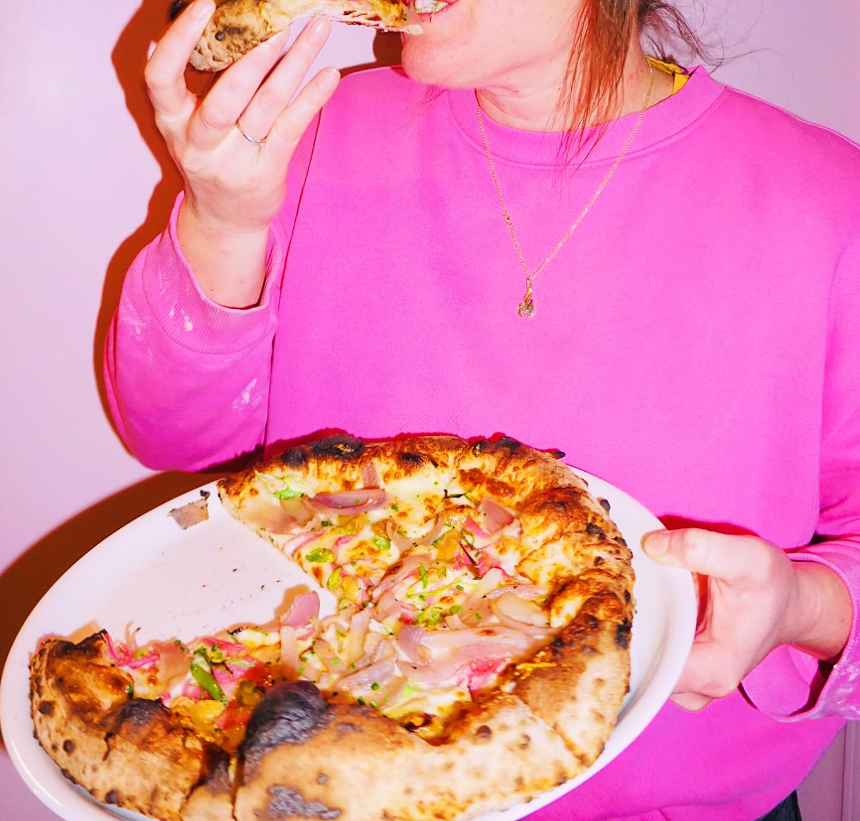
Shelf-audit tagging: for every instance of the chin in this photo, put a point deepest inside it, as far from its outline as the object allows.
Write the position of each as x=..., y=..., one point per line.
x=445, y=55
x=439, y=64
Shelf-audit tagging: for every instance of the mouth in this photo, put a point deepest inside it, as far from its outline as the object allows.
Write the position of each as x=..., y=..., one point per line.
x=427, y=8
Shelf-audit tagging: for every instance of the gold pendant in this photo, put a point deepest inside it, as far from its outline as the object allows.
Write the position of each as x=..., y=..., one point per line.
x=526, y=309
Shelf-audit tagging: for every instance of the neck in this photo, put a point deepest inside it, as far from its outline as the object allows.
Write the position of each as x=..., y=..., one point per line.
x=530, y=100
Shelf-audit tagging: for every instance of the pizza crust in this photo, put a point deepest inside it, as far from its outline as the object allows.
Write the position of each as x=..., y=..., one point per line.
x=352, y=764
x=129, y=752
x=237, y=26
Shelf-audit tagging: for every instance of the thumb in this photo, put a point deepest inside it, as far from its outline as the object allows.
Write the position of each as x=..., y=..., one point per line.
x=700, y=551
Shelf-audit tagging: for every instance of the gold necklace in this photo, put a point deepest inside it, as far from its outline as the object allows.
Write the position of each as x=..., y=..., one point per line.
x=526, y=308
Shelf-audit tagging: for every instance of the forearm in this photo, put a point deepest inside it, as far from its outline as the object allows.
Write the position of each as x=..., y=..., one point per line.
x=814, y=673
x=230, y=265
x=187, y=379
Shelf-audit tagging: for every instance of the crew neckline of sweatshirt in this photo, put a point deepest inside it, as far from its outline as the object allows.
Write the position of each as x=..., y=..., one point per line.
x=538, y=148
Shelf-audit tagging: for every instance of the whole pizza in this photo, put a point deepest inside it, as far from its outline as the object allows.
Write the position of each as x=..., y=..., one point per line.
x=477, y=655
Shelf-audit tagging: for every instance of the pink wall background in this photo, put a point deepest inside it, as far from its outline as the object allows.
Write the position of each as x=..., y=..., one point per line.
x=85, y=182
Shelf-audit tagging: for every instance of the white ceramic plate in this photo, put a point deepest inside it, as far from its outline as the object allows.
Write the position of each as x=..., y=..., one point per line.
x=173, y=582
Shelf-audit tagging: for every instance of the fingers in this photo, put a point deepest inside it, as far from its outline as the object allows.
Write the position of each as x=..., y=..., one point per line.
x=704, y=679
x=709, y=672
x=226, y=101
x=702, y=551
x=277, y=91
x=293, y=122
x=691, y=702
x=165, y=71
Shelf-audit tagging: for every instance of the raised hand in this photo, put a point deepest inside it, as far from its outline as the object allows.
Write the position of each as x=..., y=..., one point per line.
x=233, y=146
x=753, y=598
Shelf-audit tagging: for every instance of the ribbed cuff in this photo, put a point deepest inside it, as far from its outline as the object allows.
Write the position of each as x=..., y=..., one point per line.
x=188, y=316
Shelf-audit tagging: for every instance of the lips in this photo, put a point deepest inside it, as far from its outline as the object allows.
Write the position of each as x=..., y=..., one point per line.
x=431, y=6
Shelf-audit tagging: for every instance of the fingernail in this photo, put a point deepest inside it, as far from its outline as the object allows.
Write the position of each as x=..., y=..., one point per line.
x=657, y=543
x=329, y=78
x=319, y=29
x=203, y=8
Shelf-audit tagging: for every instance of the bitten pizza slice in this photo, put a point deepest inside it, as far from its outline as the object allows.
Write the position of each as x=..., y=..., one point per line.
x=239, y=25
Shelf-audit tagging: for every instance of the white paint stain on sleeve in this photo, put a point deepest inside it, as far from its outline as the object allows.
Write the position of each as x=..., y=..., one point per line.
x=247, y=397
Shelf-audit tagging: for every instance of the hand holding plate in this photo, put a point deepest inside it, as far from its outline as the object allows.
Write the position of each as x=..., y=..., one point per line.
x=753, y=599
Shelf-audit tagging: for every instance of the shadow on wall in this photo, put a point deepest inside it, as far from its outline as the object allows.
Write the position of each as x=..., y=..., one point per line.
x=129, y=58
x=30, y=576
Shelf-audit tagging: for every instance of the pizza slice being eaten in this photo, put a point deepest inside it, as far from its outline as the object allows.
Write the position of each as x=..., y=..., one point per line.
x=239, y=25
x=483, y=606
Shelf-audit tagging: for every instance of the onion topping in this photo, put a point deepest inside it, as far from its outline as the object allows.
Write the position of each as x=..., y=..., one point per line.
x=304, y=607
x=409, y=641
x=349, y=502
x=363, y=680
x=493, y=516
x=144, y=661
x=519, y=614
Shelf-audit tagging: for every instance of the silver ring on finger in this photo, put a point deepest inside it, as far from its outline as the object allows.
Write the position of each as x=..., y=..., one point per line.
x=259, y=143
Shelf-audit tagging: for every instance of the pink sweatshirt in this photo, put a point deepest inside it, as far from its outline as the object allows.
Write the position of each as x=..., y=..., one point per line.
x=696, y=342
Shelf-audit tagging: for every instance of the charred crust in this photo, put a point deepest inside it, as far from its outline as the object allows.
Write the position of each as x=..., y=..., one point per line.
x=503, y=443
x=563, y=501
x=176, y=8
x=595, y=530
x=112, y=797
x=68, y=746
x=558, y=454
x=218, y=782
x=288, y=714
x=137, y=714
x=622, y=635
x=89, y=648
x=294, y=458
x=68, y=776
x=344, y=448
x=621, y=540
x=287, y=802
x=410, y=459
x=604, y=503
x=484, y=732
x=322, y=778
x=46, y=708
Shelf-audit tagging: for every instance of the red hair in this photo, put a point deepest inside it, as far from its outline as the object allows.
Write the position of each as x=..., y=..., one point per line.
x=602, y=33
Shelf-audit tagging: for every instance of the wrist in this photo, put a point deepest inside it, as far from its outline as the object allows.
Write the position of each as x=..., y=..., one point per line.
x=228, y=263
x=208, y=222
x=820, y=615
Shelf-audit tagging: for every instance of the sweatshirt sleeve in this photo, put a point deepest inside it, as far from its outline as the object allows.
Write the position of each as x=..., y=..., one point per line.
x=788, y=684
x=187, y=380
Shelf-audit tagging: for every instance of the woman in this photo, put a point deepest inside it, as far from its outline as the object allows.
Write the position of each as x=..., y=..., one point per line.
x=693, y=337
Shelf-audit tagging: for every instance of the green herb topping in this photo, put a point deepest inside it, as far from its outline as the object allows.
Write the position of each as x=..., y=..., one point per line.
x=320, y=554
